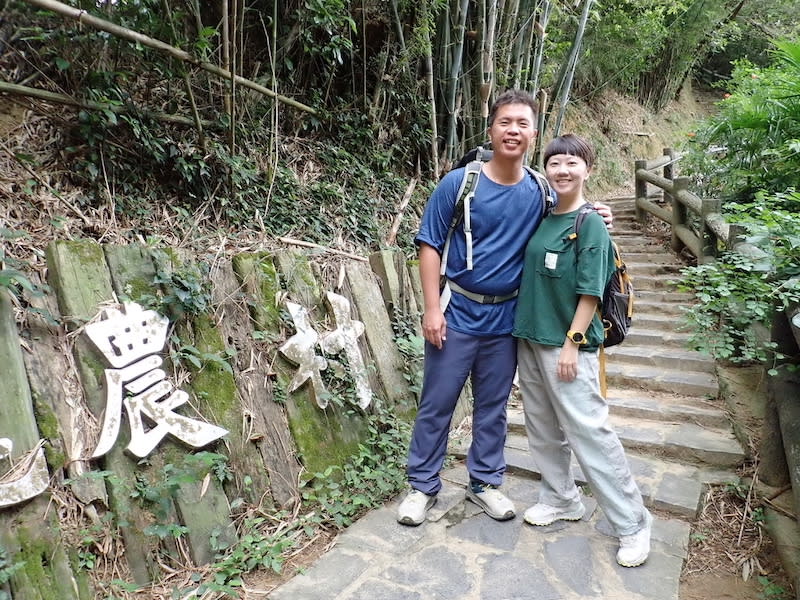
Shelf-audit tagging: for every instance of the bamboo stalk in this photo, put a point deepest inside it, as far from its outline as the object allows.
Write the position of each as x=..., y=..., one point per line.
x=390, y=239
x=21, y=90
x=455, y=74
x=134, y=36
x=188, y=84
x=304, y=244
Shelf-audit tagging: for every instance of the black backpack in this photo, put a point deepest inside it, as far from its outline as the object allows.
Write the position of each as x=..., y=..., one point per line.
x=616, y=308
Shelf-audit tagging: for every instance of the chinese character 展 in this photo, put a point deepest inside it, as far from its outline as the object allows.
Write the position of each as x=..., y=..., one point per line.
x=130, y=342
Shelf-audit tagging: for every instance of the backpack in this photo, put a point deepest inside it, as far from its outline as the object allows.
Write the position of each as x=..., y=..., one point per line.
x=616, y=307
x=473, y=162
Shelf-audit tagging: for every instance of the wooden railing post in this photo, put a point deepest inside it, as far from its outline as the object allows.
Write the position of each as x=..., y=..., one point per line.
x=668, y=174
x=708, y=239
x=669, y=170
x=641, y=187
x=678, y=211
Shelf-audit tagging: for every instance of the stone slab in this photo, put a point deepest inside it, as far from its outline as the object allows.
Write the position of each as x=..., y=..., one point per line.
x=469, y=556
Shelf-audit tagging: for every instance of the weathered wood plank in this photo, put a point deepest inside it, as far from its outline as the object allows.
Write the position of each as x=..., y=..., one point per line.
x=268, y=426
x=324, y=437
x=133, y=271
x=379, y=337
x=17, y=421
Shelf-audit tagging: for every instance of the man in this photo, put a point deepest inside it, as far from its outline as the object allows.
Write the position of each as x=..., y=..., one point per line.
x=472, y=336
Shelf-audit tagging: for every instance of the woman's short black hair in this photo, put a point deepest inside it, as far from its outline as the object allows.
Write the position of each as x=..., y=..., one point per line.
x=571, y=144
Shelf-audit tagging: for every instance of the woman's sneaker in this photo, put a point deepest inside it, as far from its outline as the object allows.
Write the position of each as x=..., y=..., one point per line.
x=414, y=507
x=491, y=500
x=544, y=514
x=634, y=548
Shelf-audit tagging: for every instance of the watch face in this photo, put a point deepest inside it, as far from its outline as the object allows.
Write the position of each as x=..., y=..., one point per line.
x=577, y=337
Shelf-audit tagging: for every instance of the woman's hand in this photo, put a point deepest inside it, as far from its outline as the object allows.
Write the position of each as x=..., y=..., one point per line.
x=567, y=368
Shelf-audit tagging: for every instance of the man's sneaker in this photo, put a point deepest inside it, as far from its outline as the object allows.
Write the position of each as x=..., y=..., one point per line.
x=491, y=500
x=544, y=514
x=633, y=549
x=414, y=507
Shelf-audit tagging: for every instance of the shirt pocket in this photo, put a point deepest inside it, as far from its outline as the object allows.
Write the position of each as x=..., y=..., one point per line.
x=556, y=262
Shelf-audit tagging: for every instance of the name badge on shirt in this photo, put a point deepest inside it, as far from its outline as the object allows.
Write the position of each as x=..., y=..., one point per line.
x=550, y=260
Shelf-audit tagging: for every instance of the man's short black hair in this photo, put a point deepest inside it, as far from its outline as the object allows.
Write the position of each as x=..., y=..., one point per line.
x=513, y=97
x=571, y=144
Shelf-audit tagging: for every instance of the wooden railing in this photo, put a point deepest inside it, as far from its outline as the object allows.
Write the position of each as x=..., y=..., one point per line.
x=696, y=223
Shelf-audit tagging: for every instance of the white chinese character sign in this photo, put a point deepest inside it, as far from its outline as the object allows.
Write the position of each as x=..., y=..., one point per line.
x=27, y=478
x=129, y=341
x=300, y=349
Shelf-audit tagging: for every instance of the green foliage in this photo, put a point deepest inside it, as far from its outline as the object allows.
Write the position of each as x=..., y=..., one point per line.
x=412, y=347
x=326, y=26
x=375, y=474
x=7, y=569
x=12, y=277
x=733, y=298
x=622, y=40
x=186, y=353
x=158, y=494
x=771, y=590
x=262, y=546
x=182, y=290
x=757, y=129
x=737, y=294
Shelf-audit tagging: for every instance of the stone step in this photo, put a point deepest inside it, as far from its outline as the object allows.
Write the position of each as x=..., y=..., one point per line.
x=639, y=335
x=667, y=297
x=661, y=380
x=652, y=257
x=672, y=487
x=663, y=281
x=666, y=406
x=659, y=356
x=679, y=441
x=648, y=269
x=644, y=305
x=665, y=485
x=648, y=317
x=627, y=240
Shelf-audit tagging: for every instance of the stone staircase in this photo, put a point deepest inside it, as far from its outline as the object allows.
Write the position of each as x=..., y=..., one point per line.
x=662, y=396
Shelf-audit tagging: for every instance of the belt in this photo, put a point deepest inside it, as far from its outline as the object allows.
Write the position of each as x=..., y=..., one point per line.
x=481, y=298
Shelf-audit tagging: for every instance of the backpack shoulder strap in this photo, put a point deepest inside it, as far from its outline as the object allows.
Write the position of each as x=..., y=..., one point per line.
x=580, y=218
x=466, y=191
x=548, y=196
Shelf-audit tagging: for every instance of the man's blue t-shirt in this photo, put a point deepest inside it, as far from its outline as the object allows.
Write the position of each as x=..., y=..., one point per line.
x=503, y=218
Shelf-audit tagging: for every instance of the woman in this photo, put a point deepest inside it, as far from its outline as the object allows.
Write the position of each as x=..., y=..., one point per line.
x=559, y=335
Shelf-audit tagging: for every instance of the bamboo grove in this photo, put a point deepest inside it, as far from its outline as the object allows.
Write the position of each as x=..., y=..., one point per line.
x=408, y=83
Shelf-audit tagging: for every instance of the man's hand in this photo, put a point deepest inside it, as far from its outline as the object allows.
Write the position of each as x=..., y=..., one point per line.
x=605, y=212
x=434, y=327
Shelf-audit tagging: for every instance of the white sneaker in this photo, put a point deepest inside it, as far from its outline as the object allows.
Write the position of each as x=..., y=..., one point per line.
x=492, y=501
x=414, y=507
x=543, y=514
x=634, y=548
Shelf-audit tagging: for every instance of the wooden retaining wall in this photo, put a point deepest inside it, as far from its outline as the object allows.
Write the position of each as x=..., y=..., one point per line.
x=60, y=397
